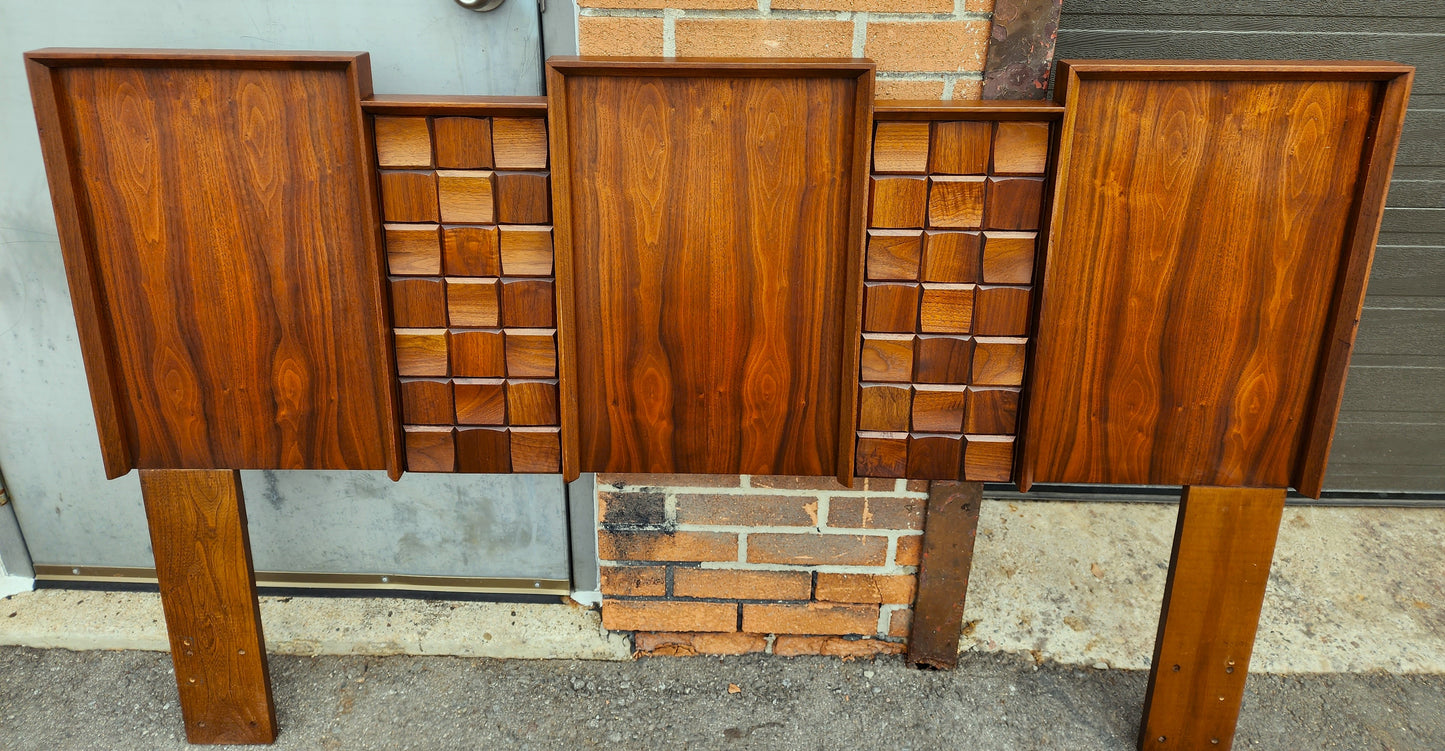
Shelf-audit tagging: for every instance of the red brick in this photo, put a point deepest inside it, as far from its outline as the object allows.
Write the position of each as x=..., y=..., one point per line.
x=639, y=615
x=659, y=4
x=670, y=481
x=750, y=510
x=788, y=482
x=667, y=546
x=877, y=6
x=918, y=486
x=875, y=512
x=793, y=646
x=815, y=549
x=900, y=623
x=910, y=547
x=812, y=618
x=891, y=590
x=909, y=89
x=741, y=585
x=768, y=37
x=604, y=35
x=941, y=46
x=634, y=581
x=640, y=509
x=687, y=645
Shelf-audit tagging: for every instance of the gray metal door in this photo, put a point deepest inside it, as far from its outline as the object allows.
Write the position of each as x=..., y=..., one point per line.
x=350, y=528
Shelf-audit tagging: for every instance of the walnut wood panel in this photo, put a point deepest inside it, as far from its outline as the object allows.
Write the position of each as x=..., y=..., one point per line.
x=1223, y=543
x=491, y=260
x=1245, y=201
x=714, y=323
x=198, y=532
x=951, y=319
x=229, y=294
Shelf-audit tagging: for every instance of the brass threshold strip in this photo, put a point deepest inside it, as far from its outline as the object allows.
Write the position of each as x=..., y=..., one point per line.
x=312, y=580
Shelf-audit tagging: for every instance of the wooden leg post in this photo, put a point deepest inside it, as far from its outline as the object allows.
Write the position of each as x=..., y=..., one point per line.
x=208, y=589
x=948, y=533
x=1223, y=544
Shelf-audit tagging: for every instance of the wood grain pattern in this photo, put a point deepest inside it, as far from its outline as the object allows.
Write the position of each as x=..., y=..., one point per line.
x=939, y=409
x=946, y=309
x=991, y=411
x=890, y=308
x=1001, y=311
x=418, y=303
x=537, y=450
x=473, y=303
x=1223, y=543
x=883, y=407
x=721, y=333
x=1008, y=257
x=934, y=457
x=430, y=448
x=531, y=354
x=426, y=401
x=1014, y=203
x=402, y=141
x=898, y=202
x=477, y=354
x=901, y=147
x=462, y=142
x=412, y=249
x=882, y=455
x=988, y=458
x=421, y=352
x=894, y=254
x=998, y=360
x=471, y=251
x=409, y=196
x=956, y=202
x=532, y=403
x=950, y=257
x=466, y=196
x=528, y=303
x=197, y=522
x=1242, y=233
x=526, y=251
x=961, y=148
x=480, y=401
x=1021, y=148
x=519, y=142
x=523, y=198
x=230, y=298
x=484, y=450
x=886, y=357
x=943, y=359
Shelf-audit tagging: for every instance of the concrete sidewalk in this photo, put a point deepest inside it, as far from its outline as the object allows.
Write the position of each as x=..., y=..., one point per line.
x=57, y=700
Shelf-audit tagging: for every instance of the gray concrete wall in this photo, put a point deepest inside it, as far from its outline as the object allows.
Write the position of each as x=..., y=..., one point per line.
x=48, y=448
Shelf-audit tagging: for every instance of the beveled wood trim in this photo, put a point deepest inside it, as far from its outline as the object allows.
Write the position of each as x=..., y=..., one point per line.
x=863, y=114
x=1349, y=299
x=966, y=109
x=455, y=105
x=60, y=57
x=1233, y=70
x=561, y=156
x=87, y=296
x=709, y=67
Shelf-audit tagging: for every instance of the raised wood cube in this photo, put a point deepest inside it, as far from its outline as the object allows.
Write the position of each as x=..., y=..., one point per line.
x=532, y=403
x=901, y=147
x=412, y=249
x=526, y=250
x=519, y=142
x=1021, y=148
x=992, y=410
x=998, y=361
x=886, y=357
x=426, y=401
x=898, y=202
x=935, y=457
x=418, y=303
x=473, y=303
x=478, y=354
x=421, y=352
x=403, y=142
x=536, y=450
x=960, y=148
x=466, y=196
x=956, y=202
x=946, y=309
x=988, y=458
x=1008, y=257
x=950, y=257
x=470, y=251
x=882, y=455
x=463, y=142
x=480, y=401
x=1014, y=203
x=409, y=196
x=484, y=450
x=430, y=448
x=531, y=353
x=1001, y=311
x=943, y=359
x=883, y=407
x=528, y=303
x=523, y=198
x=890, y=308
x=894, y=253
x=939, y=409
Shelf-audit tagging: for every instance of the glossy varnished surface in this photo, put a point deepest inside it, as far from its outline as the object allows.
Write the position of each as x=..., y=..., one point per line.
x=221, y=237
x=715, y=233
x=1199, y=268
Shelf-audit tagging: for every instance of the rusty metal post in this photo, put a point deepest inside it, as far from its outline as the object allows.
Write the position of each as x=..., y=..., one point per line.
x=948, y=533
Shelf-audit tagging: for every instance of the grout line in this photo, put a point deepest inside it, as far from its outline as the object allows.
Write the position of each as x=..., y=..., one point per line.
x=669, y=32
x=742, y=529
x=742, y=547
x=891, y=558
x=948, y=82
x=800, y=15
x=860, y=33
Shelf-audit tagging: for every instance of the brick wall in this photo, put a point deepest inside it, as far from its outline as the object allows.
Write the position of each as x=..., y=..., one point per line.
x=702, y=564
x=925, y=49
